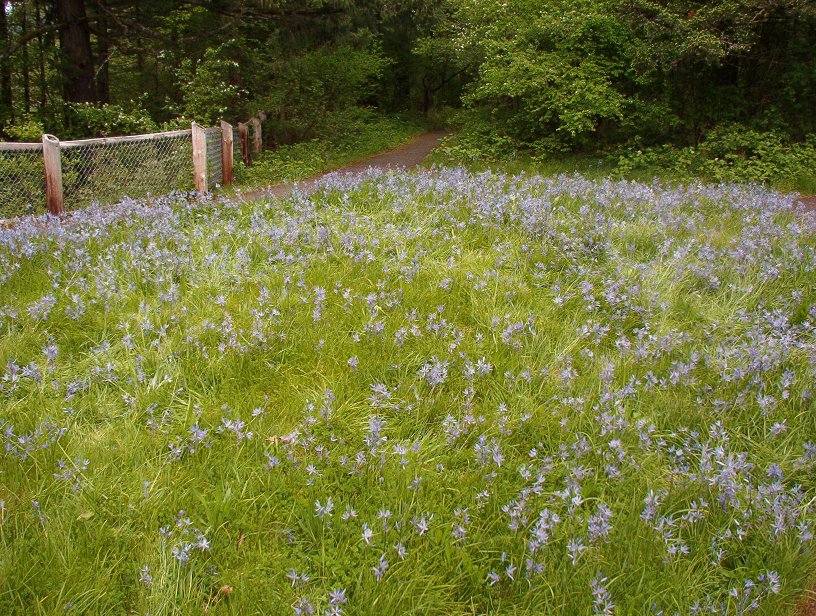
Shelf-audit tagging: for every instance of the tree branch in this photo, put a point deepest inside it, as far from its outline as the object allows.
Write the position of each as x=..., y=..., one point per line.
x=261, y=13
x=32, y=34
x=126, y=25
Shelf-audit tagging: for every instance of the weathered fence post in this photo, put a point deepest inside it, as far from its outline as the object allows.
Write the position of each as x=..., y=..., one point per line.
x=256, y=134
x=226, y=154
x=53, y=174
x=199, y=158
x=243, y=135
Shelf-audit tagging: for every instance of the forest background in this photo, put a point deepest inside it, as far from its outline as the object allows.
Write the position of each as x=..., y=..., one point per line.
x=716, y=90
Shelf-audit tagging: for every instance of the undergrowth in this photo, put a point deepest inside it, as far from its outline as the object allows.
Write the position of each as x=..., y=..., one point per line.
x=728, y=153
x=343, y=138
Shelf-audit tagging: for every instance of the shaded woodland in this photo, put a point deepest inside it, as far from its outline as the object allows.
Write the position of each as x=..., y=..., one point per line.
x=544, y=75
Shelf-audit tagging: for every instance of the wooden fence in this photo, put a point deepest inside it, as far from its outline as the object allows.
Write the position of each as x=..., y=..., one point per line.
x=54, y=172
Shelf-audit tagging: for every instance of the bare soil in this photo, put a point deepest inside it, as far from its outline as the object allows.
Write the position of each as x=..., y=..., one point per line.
x=807, y=607
x=405, y=156
x=810, y=205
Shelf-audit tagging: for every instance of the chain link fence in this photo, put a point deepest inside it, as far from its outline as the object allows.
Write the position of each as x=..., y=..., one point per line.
x=22, y=179
x=236, y=148
x=240, y=165
x=214, y=171
x=254, y=131
x=106, y=170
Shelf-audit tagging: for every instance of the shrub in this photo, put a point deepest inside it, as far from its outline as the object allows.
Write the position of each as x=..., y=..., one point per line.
x=27, y=129
x=730, y=153
x=105, y=120
x=342, y=137
x=210, y=91
x=304, y=89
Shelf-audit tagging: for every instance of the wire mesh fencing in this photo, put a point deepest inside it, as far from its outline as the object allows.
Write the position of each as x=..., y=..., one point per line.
x=239, y=162
x=22, y=179
x=236, y=147
x=214, y=171
x=254, y=133
x=106, y=170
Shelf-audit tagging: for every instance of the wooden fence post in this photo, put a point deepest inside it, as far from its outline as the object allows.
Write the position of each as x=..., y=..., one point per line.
x=226, y=154
x=256, y=134
x=243, y=135
x=53, y=174
x=199, y=158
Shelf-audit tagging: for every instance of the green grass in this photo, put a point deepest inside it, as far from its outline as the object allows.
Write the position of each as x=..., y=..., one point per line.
x=782, y=170
x=175, y=316
x=347, y=138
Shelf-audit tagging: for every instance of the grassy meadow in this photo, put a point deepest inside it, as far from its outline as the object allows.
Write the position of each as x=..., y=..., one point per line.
x=436, y=392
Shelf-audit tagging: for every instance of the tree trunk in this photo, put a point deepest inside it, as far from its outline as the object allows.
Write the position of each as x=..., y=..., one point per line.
x=140, y=57
x=6, y=101
x=75, y=45
x=40, y=54
x=103, y=52
x=26, y=65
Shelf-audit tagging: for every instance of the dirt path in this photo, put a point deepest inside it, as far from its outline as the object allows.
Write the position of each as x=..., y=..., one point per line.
x=405, y=156
x=810, y=205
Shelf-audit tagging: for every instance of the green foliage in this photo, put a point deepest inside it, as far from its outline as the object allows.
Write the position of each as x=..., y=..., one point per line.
x=545, y=99
x=546, y=77
x=301, y=89
x=441, y=67
x=27, y=129
x=730, y=153
x=106, y=120
x=443, y=118
x=476, y=141
x=343, y=138
x=22, y=183
x=209, y=86
x=578, y=75
x=537, y=79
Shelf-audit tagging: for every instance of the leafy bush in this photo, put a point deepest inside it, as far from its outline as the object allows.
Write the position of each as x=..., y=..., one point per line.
x=22, y=183
x=476, y=141
x=730, y=153
x=106, y=120
x=342, y=138
x=442, y=118
x=302, y=90
x=547, y=99
x=549, y=76
x=566, y=75
x=210, y=92
x=27, y=129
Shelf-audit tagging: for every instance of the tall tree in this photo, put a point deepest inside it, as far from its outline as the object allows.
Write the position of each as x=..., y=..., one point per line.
x=25, y=67
x=75, y=43
x=103, y=54
x=6, y=102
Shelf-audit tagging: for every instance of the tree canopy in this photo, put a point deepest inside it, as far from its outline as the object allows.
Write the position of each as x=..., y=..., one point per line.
x=548, y=74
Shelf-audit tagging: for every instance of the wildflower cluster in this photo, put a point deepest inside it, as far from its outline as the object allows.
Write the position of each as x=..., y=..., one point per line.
x=434, y=392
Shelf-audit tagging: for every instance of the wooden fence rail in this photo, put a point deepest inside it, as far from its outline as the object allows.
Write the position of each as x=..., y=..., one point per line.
x=90, y=156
